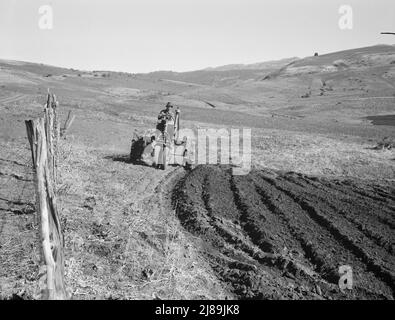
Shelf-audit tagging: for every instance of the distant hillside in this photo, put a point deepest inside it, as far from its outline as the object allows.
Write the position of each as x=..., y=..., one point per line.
x=339, y=85
x=352, y=55
x=255, y=66
x=34, y=68
x=360, y=58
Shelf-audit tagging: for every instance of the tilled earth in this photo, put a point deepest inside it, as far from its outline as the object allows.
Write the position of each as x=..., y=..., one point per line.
x=277, y=235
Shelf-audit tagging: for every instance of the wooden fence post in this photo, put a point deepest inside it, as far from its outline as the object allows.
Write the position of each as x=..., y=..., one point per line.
x=67, y=124
x=43, y=143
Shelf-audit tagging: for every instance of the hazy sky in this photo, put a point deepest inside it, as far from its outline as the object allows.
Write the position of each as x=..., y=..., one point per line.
x=180, y=35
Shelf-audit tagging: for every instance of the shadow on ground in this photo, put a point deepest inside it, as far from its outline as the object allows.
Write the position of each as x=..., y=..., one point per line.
x=126, y=159
x=120, y=158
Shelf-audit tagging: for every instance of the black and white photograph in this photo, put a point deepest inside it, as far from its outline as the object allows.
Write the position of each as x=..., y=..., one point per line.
x=197, y=150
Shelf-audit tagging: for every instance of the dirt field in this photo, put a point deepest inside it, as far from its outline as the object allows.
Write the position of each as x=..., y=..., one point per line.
x=284, y=235
x=134, y=232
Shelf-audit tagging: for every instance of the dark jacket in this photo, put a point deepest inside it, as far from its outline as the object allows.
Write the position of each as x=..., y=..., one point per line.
x=165, y=115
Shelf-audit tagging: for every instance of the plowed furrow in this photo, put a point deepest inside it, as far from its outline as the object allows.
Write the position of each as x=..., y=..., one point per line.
x=382, y=235
x=384, y=193
x=365, y=192
x=381, y=267
x=310, y=235
x=233, y=224
x=277, y=231
x=197, y=216
x=388, y=205
x=190, y=206
x=234, y=261
x=323, y=246
x=266, y=233
x=254, y=223
x=380, y=214
x=222, y=213
x=360, y=195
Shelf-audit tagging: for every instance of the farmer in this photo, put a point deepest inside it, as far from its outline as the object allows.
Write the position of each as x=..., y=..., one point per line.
x=164, y=116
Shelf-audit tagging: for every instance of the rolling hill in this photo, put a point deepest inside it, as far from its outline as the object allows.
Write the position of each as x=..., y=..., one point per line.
x=320, y=193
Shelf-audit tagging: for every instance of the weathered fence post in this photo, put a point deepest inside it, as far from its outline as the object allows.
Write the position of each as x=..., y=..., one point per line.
x=44, y=142
x=67, y=124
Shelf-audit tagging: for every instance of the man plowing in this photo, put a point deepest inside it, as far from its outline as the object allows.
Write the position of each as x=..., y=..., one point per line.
x=164, y=147
x=165, y=116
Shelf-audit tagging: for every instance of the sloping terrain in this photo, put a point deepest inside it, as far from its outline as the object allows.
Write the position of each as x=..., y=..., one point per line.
x=284, y=235
x=266, y=235
x=335, y=90
x=277, y=64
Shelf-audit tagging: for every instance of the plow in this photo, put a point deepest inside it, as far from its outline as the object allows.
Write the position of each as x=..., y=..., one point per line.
x=161, y=147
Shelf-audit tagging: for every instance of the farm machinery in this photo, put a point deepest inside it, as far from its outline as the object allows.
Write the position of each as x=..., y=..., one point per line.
x=161, y=147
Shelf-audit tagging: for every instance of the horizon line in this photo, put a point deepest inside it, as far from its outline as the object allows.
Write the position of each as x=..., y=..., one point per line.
x=193, y=70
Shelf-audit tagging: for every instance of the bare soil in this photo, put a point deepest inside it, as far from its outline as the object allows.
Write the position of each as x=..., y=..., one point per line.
x=276, y=235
